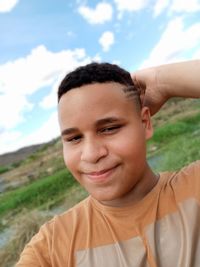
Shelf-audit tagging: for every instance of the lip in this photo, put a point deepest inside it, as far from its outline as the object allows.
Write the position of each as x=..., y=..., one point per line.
x=101, y=176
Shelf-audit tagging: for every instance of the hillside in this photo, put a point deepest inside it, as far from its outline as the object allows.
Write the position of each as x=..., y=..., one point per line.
x=36, y=162
x=16, y=156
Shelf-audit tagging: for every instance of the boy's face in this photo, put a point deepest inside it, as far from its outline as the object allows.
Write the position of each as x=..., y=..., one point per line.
x=104, y=139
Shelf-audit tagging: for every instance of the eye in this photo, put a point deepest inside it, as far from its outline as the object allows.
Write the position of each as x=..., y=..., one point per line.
x=73, y=139
x=110, y=129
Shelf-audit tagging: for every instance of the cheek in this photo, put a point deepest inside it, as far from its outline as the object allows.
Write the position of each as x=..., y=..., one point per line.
x=70, y=159
x=132, y=146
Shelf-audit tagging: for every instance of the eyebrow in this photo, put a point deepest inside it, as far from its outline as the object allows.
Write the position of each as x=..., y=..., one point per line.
x=69, y=131
x=107, y=120
x=97, y=124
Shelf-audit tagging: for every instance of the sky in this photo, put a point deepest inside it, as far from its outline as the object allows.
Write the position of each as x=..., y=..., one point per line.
x=41, y=41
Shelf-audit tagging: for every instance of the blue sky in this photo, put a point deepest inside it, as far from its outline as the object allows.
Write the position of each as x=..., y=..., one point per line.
x=43, y=40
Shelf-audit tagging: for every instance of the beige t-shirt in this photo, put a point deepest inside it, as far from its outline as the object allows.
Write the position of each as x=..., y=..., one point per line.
x=162, y=230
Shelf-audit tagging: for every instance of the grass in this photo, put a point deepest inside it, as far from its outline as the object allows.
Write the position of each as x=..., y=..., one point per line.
x=4, y=169
x=175, y=109
x=180, y=152
x=24, y=228
x=49, y=189
x=183, y=126
x=175, y=144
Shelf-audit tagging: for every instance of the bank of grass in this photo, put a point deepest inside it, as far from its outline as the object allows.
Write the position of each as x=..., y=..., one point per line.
x=50, y=189
x=169, y=131
x=181, y=152
x=25, y=227
x=176, y=144
x=4, y=169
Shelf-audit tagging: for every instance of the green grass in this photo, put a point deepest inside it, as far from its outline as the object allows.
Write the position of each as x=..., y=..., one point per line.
x=168, y=131
x=176, y=144
x=48, y=189
x=181, y=152
x=4, y=169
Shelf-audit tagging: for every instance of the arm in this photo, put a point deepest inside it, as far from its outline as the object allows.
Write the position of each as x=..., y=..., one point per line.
x=166, y=81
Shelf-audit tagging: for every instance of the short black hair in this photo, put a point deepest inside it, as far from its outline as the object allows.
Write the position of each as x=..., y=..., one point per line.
x=95, y=73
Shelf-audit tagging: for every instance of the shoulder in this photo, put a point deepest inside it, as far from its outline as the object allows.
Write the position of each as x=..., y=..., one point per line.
x=188, y=173
x=192, y=169
x=53, y=236
x=65, y=221
x=186, y=181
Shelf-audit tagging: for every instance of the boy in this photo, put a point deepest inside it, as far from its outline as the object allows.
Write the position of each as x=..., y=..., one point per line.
x=133, y=217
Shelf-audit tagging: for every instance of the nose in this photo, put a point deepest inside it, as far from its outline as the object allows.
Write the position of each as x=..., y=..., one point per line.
x=93, y=150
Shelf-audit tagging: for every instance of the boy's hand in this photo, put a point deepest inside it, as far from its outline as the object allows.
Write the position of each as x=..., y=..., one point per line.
x=152, y=94
x=160, y=83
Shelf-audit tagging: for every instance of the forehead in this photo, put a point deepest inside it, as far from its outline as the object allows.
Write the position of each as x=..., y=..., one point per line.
x=93, y=102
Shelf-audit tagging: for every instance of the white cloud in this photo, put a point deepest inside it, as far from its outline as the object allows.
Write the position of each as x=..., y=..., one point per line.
x=174, y=43
x=176, y=6
x=196, y=54
x=117, y=62
x=185, y=5
x=7, y=5
x=160, y=6
x=49, y=130
x=13, y=140
x=25, y=76
x=50, y=100
x=131, y=5
x=39, y=69
x=99, y=15
x=8, y=141
x=12, y=107
x=73, y=61
x=106, y=40
x=96, y=58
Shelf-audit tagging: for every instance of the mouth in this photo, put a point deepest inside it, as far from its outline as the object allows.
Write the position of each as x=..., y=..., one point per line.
x=101, y=176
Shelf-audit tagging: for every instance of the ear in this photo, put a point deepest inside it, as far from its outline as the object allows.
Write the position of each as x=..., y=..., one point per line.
x=146, y=121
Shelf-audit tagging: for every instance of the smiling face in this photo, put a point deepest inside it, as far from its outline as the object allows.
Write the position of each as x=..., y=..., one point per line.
x=104, y=140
